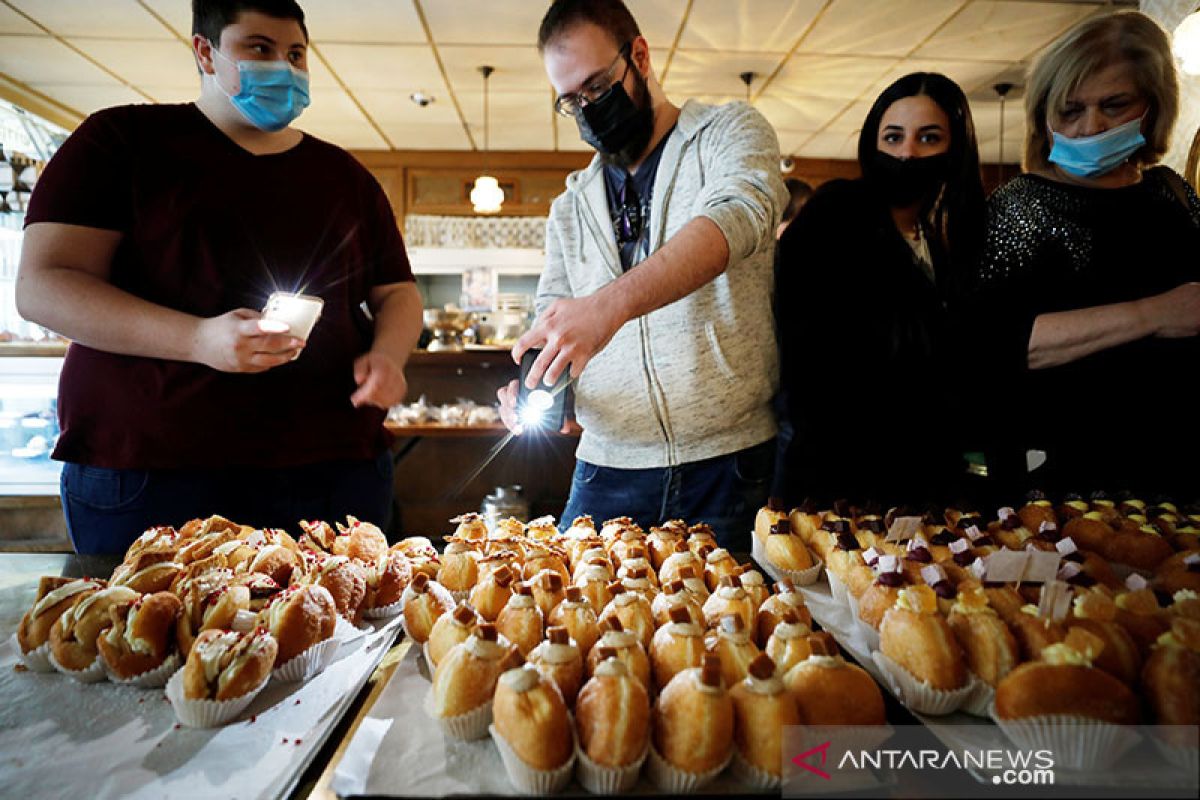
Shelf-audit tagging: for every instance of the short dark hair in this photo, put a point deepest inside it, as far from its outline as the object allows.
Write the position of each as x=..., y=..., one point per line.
x=210, y=17
x=799, y=192
x=610, y=15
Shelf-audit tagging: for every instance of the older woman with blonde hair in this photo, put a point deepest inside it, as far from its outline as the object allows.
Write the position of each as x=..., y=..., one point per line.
x=1089, y=306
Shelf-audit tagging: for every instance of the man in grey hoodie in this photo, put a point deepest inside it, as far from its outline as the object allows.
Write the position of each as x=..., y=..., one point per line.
x=656, y=294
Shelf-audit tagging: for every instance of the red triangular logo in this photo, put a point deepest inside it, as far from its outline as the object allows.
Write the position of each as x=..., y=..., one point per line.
x=800, y=760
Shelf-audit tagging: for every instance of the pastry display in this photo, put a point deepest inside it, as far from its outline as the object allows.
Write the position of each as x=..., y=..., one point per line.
x=612, y=714
x=141, y=635
x=763, y=707
x=917, y=638
x=830, y=691
x=530, y=715
x=449, y=630
x=560, y=660
x=424, y=601
x=224, y=665
x=677, y=646
x=298, y=618
x=576, y=614
x=521, y=620
x=694, y=720
x=733, y=647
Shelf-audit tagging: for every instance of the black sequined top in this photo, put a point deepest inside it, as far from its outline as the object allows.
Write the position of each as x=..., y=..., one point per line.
x=1121, y=418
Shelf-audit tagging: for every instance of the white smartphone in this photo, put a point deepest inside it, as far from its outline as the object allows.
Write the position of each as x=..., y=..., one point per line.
x=299, y=312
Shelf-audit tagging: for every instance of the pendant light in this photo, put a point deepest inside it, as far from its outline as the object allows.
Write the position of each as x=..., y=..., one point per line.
x=1186, y=44
x=748, y=78
x=1002, y=89
x=486, y=196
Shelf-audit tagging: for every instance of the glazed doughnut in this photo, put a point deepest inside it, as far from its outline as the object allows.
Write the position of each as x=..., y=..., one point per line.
x=224, y=665
x=424, y=601
x=989, y=645
x=466, y=678
x=576, y=614
x=633, y=612
x=785, y=549
x=734, y=648
x=521, y=620
x=767, y=517
x=623, y=645
x=674, y=596
x=449, y=630
x=730, y=598
x=694, y=719
x=560, y=661
x=762, y=709
x=915, y=636
x=788, y=643
x=829, y=691
x=612, y=713
x=531, y=717
x=772, y=611
x=492, y=592
x=677, y=645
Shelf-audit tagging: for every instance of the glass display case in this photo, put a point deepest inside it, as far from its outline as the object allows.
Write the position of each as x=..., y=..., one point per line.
x=28, y=422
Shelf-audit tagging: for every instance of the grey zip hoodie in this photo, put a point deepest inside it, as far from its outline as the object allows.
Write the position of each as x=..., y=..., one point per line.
x=694, y=379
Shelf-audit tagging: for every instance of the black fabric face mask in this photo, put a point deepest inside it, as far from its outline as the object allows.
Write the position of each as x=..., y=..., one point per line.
x=905, y=182
x=616, y=126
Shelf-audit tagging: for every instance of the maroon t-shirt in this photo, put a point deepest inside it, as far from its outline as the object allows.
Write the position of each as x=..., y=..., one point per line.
x=209, y=227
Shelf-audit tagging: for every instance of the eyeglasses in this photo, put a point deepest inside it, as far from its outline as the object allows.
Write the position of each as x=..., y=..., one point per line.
x=569, y=105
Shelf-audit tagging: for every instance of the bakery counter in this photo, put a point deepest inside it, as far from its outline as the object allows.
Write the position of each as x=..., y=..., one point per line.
x=104, y=740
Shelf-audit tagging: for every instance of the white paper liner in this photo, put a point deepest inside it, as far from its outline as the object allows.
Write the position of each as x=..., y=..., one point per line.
x=93, y=674
x=672, y=780
x=599, y=779
x=37, y=659
x=837, y=589
x=870, y=635
x=753, y=776
x=344, y=630
x=150, y=679
x=799, y=577
x=382, y=612
x=429, y=663
x=1078, y=743
x=207, y=713
x=467, y=727
x=525, y=778
x=918, y=695
x=309, y=663
x=1186, y=758
x=979, y=702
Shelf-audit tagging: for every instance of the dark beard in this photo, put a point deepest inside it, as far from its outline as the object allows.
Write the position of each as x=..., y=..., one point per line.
x=636, y=148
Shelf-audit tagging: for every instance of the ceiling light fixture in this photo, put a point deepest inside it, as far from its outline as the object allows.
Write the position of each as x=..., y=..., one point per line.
x=748, y=78
x=486, y=196
x=1001, y=89
x=420, y=98
x=1187, y=43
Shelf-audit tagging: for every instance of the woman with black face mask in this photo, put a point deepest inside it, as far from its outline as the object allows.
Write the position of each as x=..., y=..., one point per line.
x=865, y=278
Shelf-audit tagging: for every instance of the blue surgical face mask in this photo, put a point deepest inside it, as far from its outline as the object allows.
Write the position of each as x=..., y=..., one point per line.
x=272, y=94
x=1091, y=156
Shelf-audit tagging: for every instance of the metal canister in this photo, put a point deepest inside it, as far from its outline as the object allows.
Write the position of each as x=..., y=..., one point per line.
x=504, y=502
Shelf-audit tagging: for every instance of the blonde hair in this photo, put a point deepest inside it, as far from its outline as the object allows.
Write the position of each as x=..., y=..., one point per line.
x=1124, y=37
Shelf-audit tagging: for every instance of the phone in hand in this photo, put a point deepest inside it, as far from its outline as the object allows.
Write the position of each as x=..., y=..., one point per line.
x=299, y=312
x=544, y=407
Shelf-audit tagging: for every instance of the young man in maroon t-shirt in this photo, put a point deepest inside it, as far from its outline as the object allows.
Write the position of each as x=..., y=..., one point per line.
x=154, y=236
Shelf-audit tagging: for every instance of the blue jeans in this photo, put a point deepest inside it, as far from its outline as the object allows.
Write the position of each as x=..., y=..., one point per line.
x=106, y=509
x=726, y=492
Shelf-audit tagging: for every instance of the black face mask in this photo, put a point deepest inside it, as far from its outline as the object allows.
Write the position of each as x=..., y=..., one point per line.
x=905, y=182
x=616, y=126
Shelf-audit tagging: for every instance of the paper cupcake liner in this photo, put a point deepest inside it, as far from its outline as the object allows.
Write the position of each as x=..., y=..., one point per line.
x=37, y=659
x=599, y=779
x=93, y=674
x=207, y=713
x=753, y=776
x=672, y=780
x=466, y=727
x=345, y=631
x=1182, y=756
x=1077, y=743
x=150, y=679
x=309, y=663
x=382, y=612
x=525, y=778
x=918, y=695
x=870, y=636
x=979, y=702
x=837, y=589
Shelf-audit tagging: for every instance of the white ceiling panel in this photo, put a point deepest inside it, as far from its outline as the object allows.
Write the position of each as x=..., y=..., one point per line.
x=830, y=76
x=829, y=144
x=518, y=69
x=42, y=60
x=969, y=75
x=336, y=119
x=113, y=19
x=176, y=13
x=519, y=121
x=760, y=26
x=790, y=141
x=658, y=19
x=986, y=115
x=12, y=22
x=165, y=62
x=379, y=21
x=408, y=125
x=877, y=27
x=693, y=73
x=385, y=67
x=87, y=99
x=511, y=22
x=1003, y=31
x=851, y=119
x=798, y=113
